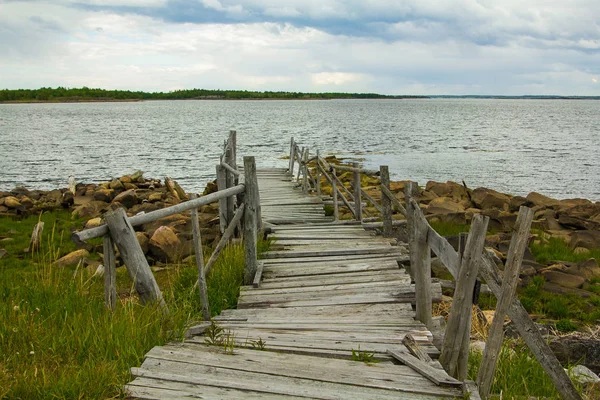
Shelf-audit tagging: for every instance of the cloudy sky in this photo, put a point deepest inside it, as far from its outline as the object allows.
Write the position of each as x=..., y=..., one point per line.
x=384, y=46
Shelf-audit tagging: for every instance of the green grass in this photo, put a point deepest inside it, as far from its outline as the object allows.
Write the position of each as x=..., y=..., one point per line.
x=449, y=228
x=551, y=249
x=58, y=340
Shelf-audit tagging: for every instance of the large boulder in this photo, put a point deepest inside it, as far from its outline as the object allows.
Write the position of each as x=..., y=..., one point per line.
x=450, y=189
x=564, y=279
x=585, y=239
x=72, y=259
x=443, y=205
x=127, y=198
x=574, y=350
x=542, y=201
x=103, y=194
x=164, y=244
x=586, y=269
x=143, y=241
x=90, y=209
x=487, y=199
x=178, y=222
x=13, y=202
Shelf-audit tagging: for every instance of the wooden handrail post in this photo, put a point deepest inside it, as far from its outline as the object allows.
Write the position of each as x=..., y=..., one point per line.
x=318, y=176
x=300, y=160
x=110, y=273
x=420, y=256
x=518, y=244
x=334, y=194
x=357, y=195
x=200, y=262
x=230, y=179
x=251, y=215
x=409, y=190
x=459, y=322
x=291, y=164
x=139, y=271
x=386, y=203
x=305, y=173
x=221, y=185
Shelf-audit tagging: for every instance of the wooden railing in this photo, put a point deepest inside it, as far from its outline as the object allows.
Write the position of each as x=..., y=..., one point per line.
x=466, y=265
x=238, y=203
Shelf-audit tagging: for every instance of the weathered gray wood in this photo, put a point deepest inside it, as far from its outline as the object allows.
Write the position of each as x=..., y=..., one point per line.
x=459, y=322
x=230, y=181
x=354, y=168
x=517, y=247
x=414, y=348
x=258, y=275
x=305, y=172
x=529, y=331
x=388, y=194
x=371, y=200
x=444, y=251
x=142, y=219
x=300, y=162
x=437, y=376
x=230, y=169
x=357, y=197
x=131, y=252
x=291, y=164
x=225, y=238
x=470, y=390
x=334, y=190
x=318, y=176
x=251, y=220
x=376, y=225
x=110, y=273
x=197, y=239
x=386, y=203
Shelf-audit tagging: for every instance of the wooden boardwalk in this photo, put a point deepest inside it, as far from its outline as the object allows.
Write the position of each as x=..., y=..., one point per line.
x=327, y=290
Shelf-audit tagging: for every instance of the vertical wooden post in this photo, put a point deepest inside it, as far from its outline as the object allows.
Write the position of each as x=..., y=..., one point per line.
x=463, y=354
x=420, y=257
x=110, y=273
x=230, y=180
x=250, y=219
x=318, y=176
x=305, y=173
x=334, y=194
x=459, y=322
x=300, y=161
x=139, y=271
x=222, y=185
x=386, y=203
x=518, y=243
x=200, y=262
x=291, y=164
x=233, y=141
x=357, y=194
x=409, y=191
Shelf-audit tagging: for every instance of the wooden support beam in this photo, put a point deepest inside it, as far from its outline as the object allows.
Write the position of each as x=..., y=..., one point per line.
x=292, y=149
x=459, y=322
x=357, y=194
x=201, y=282
x=222, y=185
x=371, y=200
x=251, y=219
x=258, y=275
x=110, y=273
x=139, y=271
x=386, y=203
x=518, y=244
x=318, y=176
x=388, y=193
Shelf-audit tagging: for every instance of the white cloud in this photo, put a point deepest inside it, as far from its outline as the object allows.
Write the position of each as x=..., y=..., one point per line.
x=335, y=78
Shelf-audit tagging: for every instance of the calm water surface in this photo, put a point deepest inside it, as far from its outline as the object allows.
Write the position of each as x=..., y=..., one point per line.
x=514, y=146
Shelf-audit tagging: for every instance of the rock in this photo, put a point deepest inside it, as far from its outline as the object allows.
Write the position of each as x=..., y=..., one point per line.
x=454, y=218
x=578, y=223
x=549, y=220
x=564, y=279
x=426, y=197
x=90, y=210
x=116, y=185
x=3, y=253
x=164, y=244
x=542, y=201
x=571, y=350
x=125, y=179
x=581, y=250
x=587, y=239
x=67, y=200
x=105, y=195
x=583, y=374
x=143, y=241
x=516, y=202
x=26, y=202
x=179, y=222
x=558, y=289
x=143, y=208
x=450, y=189
x=211, y=187
x=487, y=198
x=137, y=176
x=443, y=205
x=72, y=259
x=582, y=211
x=154, y=197
x=127, y=198
x=587, y=269
x=477, y=347
x=13, y=202
x=398, y=186
x=93, y=223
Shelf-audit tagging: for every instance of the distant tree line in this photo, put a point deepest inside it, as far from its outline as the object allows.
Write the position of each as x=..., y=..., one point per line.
x=60, y=94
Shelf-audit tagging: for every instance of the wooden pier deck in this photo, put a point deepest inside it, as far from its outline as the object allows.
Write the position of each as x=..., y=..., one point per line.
x=327, y=290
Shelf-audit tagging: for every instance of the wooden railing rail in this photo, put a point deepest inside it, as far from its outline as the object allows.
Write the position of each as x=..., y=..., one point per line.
x=118, y=231
x=465, y=265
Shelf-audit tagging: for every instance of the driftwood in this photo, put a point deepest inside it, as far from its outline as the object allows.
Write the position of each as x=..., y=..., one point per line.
x=110, y=273
x=201, y=282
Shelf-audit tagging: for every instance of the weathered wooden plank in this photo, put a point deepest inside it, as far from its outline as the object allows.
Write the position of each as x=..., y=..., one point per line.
x=327, y=253
x=444, y=251
x=201, y=282
x=437, y=376
x=251, y=219
x=258, y=275
x=413, y=347
x=110, y=273
x=288, y=291
x=518, y=244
